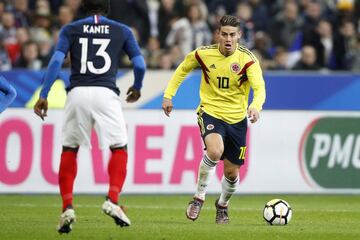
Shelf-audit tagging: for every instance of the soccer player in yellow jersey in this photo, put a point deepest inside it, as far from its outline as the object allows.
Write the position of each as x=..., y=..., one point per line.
x=228, y=72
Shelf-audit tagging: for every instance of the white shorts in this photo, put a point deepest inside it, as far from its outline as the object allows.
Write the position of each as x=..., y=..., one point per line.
x=98, y=107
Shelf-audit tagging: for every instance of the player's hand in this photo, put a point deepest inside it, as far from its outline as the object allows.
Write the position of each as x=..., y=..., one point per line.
x=253, y=114
x=41, y=108
x=167, y=106
x=133, y=95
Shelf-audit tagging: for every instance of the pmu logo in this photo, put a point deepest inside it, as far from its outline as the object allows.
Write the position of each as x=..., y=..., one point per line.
x=330, y=152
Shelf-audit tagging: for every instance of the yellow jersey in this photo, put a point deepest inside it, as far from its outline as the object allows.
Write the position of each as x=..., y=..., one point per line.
x=225, y=82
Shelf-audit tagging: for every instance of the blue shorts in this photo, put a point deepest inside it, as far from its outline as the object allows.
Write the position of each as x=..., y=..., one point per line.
x=233, y=135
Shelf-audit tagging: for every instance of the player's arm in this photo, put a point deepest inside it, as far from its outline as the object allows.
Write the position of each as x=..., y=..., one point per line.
x=133, y=94
x=178, y=77
x=257, y=83
x=132, y=49
x=52, y=72
x=9, y=94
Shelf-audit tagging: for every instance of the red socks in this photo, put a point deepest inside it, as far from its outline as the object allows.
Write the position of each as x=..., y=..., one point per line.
x=117, y=173
x=67, y=174
x=68, y=170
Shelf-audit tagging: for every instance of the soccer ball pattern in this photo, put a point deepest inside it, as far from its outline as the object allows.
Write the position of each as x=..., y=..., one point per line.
x=277, y=212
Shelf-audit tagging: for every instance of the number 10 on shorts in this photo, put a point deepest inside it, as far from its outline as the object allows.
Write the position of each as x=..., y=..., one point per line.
x=242, y=153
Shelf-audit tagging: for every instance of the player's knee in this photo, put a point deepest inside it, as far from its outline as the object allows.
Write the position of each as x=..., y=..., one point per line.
x=214, y=153
x=70, y=149
x=118, y=147
x=231, y=174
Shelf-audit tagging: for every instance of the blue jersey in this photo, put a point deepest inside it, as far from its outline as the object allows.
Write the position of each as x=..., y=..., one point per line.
x=95, y=44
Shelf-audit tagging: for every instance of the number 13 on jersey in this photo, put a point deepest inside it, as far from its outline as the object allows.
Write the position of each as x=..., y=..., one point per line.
x=101, y=52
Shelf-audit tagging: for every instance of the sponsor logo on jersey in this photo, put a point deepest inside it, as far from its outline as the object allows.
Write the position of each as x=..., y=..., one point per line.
x=235, y=67
x=210, y=127
x=329, y=153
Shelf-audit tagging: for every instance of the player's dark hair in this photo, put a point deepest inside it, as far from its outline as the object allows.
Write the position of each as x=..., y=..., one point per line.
x=228, y=20
x=95, y=6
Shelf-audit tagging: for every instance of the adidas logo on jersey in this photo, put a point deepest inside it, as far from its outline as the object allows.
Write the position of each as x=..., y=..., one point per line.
x=212, y=66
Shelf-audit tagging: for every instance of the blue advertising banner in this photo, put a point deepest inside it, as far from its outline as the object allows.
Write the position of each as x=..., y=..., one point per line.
x=285, y=90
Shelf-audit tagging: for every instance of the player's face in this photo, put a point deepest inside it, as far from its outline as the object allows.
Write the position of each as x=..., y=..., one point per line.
x=228, y=37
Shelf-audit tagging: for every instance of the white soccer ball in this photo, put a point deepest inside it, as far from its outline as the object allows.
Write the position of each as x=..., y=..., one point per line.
x=277, y=212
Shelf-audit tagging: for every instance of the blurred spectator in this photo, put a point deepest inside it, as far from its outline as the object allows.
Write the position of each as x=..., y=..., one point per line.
x=308, y=59
x=153, y=53
x=8, y=35
x=280, y=60
x=312, y=16
x=247, y=27
x=166, y=61
x=65, y=16
x=345, y=43
x=286, y=27
x=228, y=5
x=189, y=32
x=322, y=40
x=167, y=15
x=214, y=19
x=55, y=6
x=43, y=7
x=5, y=63
x=2, y=7
x=133, y=13
x=304, y=5
x=22, y=36
x=153, y=6
x=356, y=63
x=21, y=12
x=42, y=18
x=44, y=41
x=75, y=6
x=263, y=44
x=260, y=15
x=7, y=27
x=262, y=47
x=29, y=57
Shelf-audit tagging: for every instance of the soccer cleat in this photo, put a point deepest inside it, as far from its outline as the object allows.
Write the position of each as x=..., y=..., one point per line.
x=221, y=214
x=116, y=212
x=66, y=220
x=194, y=208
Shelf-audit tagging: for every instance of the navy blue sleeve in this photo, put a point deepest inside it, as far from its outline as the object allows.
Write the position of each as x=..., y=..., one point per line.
x=139, y=70
x=131, y=46
x=52, y=72
x=9, y=94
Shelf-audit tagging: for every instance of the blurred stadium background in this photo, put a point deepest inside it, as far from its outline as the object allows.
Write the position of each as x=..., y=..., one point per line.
x=307, y=141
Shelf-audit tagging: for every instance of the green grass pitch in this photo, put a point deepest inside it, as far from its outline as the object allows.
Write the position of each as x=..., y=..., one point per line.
x=163, y=217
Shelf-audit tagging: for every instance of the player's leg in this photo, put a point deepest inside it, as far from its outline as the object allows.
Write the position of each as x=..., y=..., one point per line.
x=117, y=172
x=117, y=175
x=76, y=130
x=210, y=129
x=214, y=149
x=229, y=183
x=111, y=129
x=234, y=152
x=67, y=174
x=206, y=171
